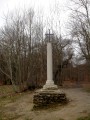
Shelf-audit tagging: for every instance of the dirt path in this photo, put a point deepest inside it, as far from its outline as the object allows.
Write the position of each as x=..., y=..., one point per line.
x=78, y=106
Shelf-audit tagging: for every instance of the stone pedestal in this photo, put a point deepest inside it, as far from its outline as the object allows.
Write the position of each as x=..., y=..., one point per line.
x=47, y=98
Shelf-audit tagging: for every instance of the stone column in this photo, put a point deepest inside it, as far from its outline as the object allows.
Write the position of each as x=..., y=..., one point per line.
x=49, y=83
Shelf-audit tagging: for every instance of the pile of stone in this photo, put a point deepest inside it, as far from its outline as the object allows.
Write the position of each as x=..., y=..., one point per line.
x=48, y=98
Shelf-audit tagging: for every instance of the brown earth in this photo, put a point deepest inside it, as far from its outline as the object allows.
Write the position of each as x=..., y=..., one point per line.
x=20, y=107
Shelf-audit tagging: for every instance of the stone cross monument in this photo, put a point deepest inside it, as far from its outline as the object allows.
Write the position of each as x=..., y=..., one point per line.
x=49, y=83
x=49, y=94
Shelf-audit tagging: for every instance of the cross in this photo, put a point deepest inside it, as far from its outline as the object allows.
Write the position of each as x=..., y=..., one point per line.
x=49, y=34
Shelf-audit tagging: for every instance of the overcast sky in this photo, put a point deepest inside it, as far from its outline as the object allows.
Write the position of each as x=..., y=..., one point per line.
x=46, y=7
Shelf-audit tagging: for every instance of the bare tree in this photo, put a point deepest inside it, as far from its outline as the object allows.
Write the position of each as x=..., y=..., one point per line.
x=80, y=30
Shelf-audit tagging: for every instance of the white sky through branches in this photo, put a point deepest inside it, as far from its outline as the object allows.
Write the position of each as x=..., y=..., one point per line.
x=50, y=9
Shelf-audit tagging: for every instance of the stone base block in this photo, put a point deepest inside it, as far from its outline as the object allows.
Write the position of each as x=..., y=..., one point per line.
x=46, y=87
x=46, y=98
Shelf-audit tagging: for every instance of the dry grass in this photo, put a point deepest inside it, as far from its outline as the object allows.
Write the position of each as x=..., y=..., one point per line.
x=7, y=96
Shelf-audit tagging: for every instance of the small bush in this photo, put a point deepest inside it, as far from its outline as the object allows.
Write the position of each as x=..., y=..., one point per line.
x=84, y=118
